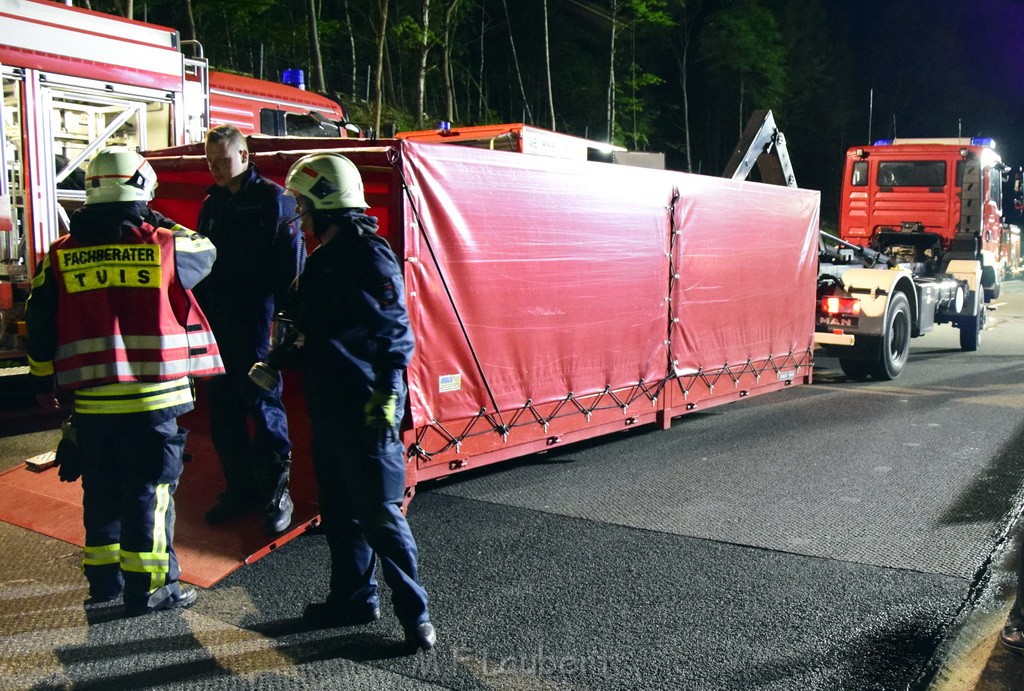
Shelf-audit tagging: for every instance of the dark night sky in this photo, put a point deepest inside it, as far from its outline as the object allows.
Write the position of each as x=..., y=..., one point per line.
x=983, y=40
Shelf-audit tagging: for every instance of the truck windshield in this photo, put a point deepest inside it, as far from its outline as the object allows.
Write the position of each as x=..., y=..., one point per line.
x=912, y=174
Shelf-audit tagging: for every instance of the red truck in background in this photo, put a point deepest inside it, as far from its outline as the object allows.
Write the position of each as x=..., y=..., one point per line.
x=75, y=81
x=931, y=212
x=907, y=198
x=922, y=243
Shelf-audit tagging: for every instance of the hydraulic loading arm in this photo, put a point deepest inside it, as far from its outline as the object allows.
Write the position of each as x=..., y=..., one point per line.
x=762, y=144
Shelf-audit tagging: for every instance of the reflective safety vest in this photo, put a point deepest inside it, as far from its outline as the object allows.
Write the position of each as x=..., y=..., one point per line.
x=123, y=316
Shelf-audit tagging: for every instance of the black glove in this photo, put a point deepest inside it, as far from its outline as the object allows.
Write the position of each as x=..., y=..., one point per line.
x=69, y=458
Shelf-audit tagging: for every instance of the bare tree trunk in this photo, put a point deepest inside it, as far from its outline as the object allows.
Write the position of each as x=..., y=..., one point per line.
x=227, y=38
x=316, y=79
x=682, y=54
x=611, y=73
x=190, y=20
x=480, y=78
x=686, y=104
x=547, y=61
x=352, y=44
x=382, y=27
x=515, y=60
x=446, y=67
x=421, y=77
x=741, y=107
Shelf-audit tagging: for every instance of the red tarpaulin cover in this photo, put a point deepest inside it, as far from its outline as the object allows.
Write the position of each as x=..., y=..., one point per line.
x=561, y=272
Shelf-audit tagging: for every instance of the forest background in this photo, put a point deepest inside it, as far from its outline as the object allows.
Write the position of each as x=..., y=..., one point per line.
x=678, y=76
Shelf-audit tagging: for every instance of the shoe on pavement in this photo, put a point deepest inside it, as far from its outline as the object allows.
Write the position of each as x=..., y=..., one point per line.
x=423, y=637
x=324, y=615
x=182, y=597
x=1012, y=639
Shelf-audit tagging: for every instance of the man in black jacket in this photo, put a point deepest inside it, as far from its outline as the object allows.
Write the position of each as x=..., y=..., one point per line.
x=259, y=252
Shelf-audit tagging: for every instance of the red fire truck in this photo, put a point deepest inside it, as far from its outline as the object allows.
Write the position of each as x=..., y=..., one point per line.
x=75, y=81
x=908, y=199
x=930, y=211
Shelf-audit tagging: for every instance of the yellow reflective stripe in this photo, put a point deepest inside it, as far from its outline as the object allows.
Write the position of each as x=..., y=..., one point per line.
x=40, y=277
x=40, y=369
x=156, y=563
x=163, y=500
x=133, y=388
x=145, y=562
x=186, y=240
x=114, y=399
x=99, y=555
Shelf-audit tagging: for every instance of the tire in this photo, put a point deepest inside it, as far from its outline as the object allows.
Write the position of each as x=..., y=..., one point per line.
x=970, y=331
x=855, y=369
x=991, y=282
x=895, y=345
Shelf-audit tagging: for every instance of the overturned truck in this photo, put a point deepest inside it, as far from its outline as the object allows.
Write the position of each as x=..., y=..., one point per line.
x=556, y=300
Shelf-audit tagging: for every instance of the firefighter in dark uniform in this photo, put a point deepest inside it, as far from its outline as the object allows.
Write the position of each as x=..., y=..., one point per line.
x=353, y=343
x=259, y=252
x=111, y=318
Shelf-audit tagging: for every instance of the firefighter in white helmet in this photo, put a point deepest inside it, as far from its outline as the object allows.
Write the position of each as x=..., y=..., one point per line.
x=111, y=319
x=354, y=345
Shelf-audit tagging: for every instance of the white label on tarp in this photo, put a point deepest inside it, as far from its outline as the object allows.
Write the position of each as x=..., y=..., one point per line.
x=449, y=382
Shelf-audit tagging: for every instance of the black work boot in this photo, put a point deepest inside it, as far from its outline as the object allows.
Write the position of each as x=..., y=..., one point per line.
x=277, y=512
x=230, y=505
x=242, y=489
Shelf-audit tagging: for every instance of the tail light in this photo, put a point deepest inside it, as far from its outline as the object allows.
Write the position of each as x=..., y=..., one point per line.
x=840, y=305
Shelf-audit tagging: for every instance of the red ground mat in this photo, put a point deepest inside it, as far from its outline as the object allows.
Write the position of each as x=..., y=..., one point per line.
x=39, y=502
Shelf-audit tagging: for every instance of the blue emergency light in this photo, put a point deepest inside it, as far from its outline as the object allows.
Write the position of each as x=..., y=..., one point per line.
x=296, y=78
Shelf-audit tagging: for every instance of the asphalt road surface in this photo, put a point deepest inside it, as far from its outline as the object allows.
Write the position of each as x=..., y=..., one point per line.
x=843, y=535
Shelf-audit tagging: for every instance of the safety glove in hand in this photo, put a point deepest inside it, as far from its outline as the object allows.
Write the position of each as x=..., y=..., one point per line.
x=69, y=458
x=382, y=410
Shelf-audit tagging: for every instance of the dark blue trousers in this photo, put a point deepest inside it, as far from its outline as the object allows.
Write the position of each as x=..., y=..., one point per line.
x=129, y=474
x=361, y=476
x=234, y=400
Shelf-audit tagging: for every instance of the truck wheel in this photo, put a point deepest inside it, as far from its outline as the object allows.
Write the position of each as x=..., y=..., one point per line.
x=855, y=369
x=895, y=340
x=992, y=283
x=970, y=330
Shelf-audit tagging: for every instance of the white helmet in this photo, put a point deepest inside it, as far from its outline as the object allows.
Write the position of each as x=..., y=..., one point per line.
x=330, y=181
x=119, y=174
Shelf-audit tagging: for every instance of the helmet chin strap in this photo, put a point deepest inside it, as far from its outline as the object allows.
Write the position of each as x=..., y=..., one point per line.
x=321, y=222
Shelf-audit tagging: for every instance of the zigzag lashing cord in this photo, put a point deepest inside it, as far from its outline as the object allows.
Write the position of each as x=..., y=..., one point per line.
x=640, y=390
x=500, y=427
